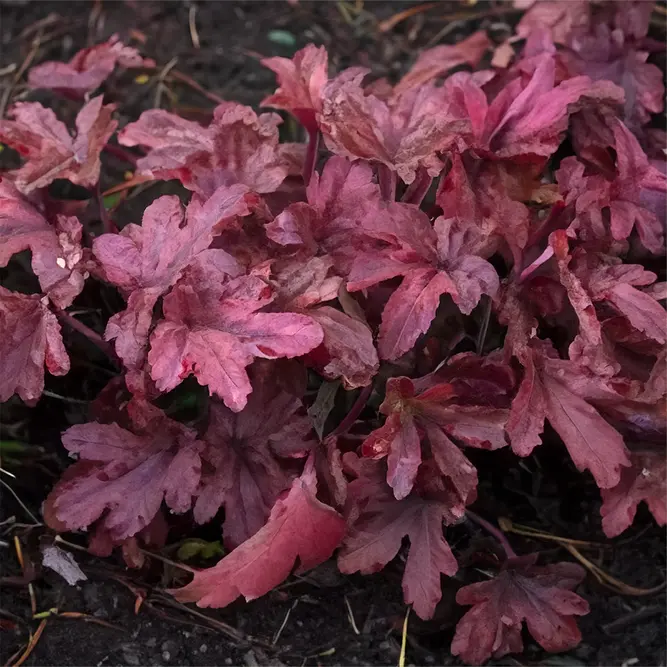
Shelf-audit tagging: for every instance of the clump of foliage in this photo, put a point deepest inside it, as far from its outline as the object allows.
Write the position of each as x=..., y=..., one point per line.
x=468, y=249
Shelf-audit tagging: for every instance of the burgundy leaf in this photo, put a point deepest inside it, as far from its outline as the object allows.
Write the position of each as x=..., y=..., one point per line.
x=299, y=527
x=645, y=480
x=122, y=478
x=436, y=62
x=378, y=531
x=404, y=134
x=30, y=338
x=246, y=477
x=542, y=597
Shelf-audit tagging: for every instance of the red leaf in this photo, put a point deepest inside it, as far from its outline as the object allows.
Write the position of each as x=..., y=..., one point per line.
x=48, y=149
x=299, y=527
x=88, y=69
x=532, y=120
x=380, y=523
x=645, y=481
x=540, y=596
x=302, y=79
x=122, y=478
x=561, y=391
x=30, y=338
x=57, y=255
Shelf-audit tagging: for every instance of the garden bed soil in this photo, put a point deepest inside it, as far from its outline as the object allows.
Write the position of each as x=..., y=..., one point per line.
x=324, y=618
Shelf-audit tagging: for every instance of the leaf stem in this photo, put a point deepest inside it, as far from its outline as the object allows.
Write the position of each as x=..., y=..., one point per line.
x=387, y=182
x=417, y=190
x=311, y=155
x=107, y=222
x=121, y=154
x=354, y=412
x=91, y=335
x=492, y=530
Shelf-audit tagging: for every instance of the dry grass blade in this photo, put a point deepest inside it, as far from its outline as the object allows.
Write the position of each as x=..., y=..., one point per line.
x=508, y=527
x=608, y=580
x=6, y=96
x=192, y=23
x=393, y=21
x=89, y=619
x=404, y=639
x=350, y=616
x=127, y=185
x=34, y=638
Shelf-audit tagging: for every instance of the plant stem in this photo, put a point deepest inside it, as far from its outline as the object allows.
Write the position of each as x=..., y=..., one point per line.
x=107, y=223
x=91, y=335
x=121, y=154
x=492, y=530
x=354, y=412
x=387, y=182
x=311, y=155
x=417, y=190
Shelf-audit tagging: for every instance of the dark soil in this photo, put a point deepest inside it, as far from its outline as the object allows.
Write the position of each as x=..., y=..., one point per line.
x=323, y=618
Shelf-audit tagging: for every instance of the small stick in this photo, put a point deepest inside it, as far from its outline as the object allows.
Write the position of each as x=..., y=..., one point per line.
x=481, y=337
x=276, y=637
x=393, y=21
x=497, y=533
x=20, y=502
x=17, y=77
x=184, y=78
x=31, y=644
x=160, y=81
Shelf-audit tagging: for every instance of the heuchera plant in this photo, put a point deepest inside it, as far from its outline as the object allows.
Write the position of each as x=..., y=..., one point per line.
x=524, y=199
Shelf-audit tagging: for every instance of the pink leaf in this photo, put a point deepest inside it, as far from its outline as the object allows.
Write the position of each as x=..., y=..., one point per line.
x=299, y=527
x=302, y=79
x=541, y=597
x=145, y=261
x=88, y=69
x=57, y=255
x=212, y=329
x=238, y=147
x=349, y=346
x=48, y=149
x=30, y=338
x=645, y=481
x=436, y=62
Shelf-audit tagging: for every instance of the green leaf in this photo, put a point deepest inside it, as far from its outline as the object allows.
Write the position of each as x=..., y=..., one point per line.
x=199, y=549
x=12, y=447
x=282, y=37
x=111, y=201
x=319, y=411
